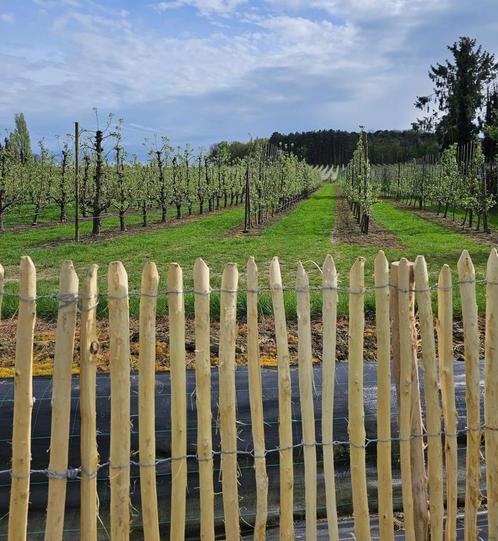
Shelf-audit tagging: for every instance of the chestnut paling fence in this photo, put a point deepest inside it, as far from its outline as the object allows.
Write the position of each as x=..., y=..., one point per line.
x=429, y=490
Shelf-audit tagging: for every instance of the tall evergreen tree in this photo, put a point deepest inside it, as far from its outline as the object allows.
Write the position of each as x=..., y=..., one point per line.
x=490, y=143
x=460, y=87
x=20, y=139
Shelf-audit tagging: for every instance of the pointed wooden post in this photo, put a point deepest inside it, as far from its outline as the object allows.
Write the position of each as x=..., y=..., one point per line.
x=284, y=406
x=329, y=318
x=89, y=348
x=356, y=411
x=256, y=401
x=228, y=401
x=61, y=402
x=491, y=394
x=176, y=308
x=147, y=401
x=432, y=398
x=446, y=356
x=384, y=468
x=23, y=403
x=306, y=399
x=203, y=397
x=467, y=278
x=119, y=360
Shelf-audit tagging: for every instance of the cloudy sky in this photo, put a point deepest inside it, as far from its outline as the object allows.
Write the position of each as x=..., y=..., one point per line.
x=204, y=70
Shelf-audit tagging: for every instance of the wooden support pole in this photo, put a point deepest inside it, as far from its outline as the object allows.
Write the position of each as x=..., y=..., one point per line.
x=203, y=397
x=61, y=402
x=467, y=277
x=146, y=401
x=256, y=401
x=405, y=398
x=306, y=398
x=445, y=342
x=491, y=394
x=89, y=347
x=356, y=411
x=432, y=398
x=119, y=360
x=384, y=468
x=329, y=318
x=178, y=402
x=23, y=403
x=284, y=406
x=228, y=401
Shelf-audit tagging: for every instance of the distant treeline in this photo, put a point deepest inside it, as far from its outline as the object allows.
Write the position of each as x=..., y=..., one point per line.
x=337, y=146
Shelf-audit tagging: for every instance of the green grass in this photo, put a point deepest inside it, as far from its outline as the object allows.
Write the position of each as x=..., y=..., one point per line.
x=304, y=234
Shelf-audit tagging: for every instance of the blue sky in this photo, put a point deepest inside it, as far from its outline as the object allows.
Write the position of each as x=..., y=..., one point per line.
x=200, y=71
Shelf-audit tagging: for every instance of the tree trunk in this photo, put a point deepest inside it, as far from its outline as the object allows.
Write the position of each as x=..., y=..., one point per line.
x=164, y=212
x=178, y=211
x=144, y=217
x=122, y=224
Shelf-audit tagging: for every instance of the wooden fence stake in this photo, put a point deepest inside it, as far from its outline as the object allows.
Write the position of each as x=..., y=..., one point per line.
x=306, y=398
x=329, y=321
x=384, y=468
x=467, y=276
x=228, y=401
x=256, y=401
x=119, y=360
x=89, y=348
x=146, y=401
x=2, y=281
x=445, y=342
x=203, y=398
x=394, y=316
x=491, y=394
x=284, y=406
x=61, y=402
x=23, y=403
x=356, y=426
x=178, y=401
x=405, y=398
x=432, y=399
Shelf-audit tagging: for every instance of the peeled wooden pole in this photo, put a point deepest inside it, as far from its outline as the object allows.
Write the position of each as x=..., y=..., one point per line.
x=61, y=401
x=284, y=406
x=228, y=401
x=491, y=394
x=445, y=342
x=119, y=360
x=23, y=403
x=432, y=398
x=467, y=277
x=146, y=401
x=329, y=318
x=356, y=426
x=256, y=401
x=405, y=398
x=384, y=468
x=203, y=398
x=176, y=308
x=306, y=398
x=89, y=348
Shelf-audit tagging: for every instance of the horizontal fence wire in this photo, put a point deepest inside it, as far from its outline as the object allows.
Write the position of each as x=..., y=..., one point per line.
x=70, y=299
x=79, y=473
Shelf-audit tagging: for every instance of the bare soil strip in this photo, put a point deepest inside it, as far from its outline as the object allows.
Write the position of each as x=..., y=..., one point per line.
x=347, y=230
x=44, y=344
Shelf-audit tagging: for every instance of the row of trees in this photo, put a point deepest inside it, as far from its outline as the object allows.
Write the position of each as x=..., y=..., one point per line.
x=458, y=178
x=357, y=185
x=110, y=181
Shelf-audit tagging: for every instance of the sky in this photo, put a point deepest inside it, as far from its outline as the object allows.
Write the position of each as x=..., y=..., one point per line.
x=201, y=71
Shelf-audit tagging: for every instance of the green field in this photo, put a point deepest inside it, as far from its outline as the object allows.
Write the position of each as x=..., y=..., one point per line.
x=303, y=234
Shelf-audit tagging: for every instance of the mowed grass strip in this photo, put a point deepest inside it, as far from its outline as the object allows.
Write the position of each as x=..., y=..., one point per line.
x=304, y=234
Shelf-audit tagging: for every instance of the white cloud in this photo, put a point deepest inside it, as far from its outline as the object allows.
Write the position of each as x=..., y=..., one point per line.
x=7, y=18
x=205, y=7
